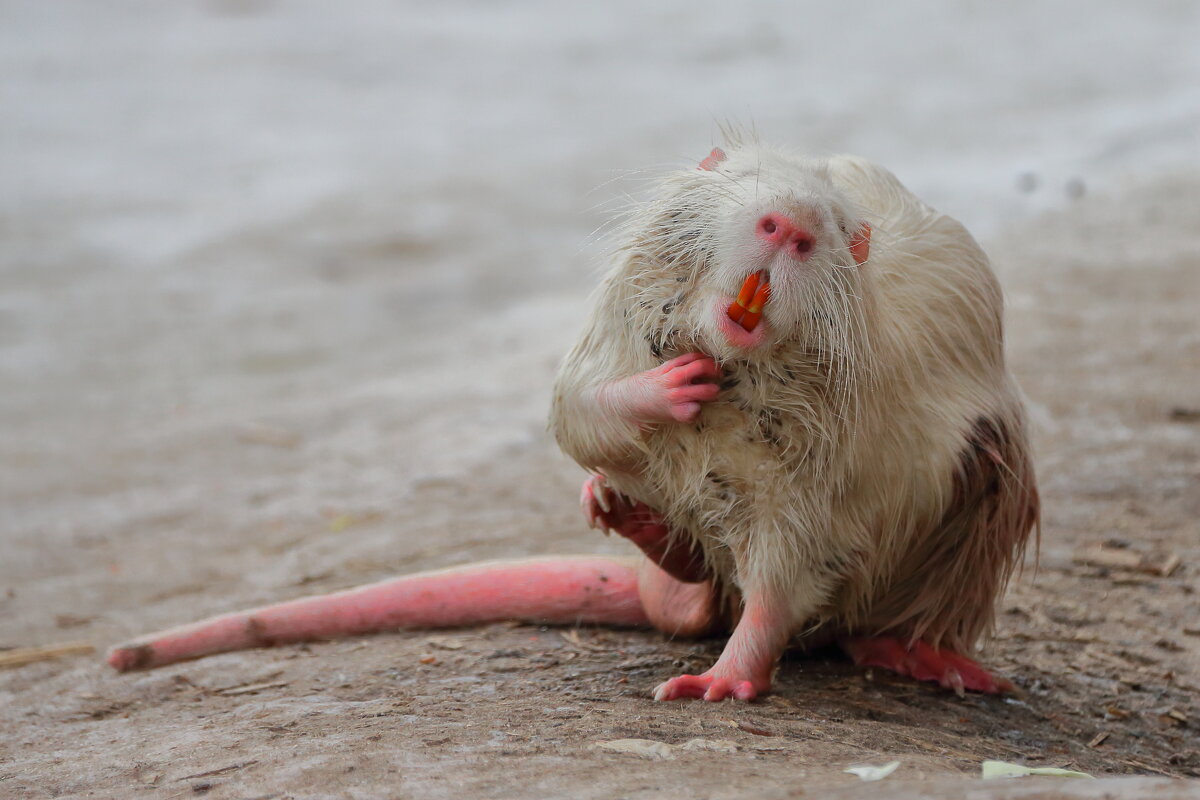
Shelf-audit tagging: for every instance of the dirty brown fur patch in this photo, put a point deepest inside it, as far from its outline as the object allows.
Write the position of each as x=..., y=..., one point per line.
x=948, y=586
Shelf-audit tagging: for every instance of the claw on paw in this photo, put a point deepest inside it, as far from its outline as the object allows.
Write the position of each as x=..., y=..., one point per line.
x=596, y=501
x=705, y=687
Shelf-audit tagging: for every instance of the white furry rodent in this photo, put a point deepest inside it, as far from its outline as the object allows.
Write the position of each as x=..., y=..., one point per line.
x=862, y=469
x=853, y=467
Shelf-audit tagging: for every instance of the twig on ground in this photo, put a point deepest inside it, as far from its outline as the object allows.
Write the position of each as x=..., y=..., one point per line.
x=21, y=656
x=220, y=771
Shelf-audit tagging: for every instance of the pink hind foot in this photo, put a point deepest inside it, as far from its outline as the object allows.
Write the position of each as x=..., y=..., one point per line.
x=924, y=663
x=608, y=509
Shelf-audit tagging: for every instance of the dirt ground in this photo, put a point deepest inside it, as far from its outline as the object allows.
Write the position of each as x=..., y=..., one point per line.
x=355, y=468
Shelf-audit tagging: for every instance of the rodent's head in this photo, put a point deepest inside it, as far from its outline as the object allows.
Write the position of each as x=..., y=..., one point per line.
x=756, y=211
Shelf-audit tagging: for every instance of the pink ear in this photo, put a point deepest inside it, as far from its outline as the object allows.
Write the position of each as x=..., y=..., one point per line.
x=715, y=157
x=860, y=243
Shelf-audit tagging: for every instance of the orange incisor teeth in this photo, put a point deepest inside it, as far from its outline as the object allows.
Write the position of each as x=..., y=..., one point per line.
x=747, y=309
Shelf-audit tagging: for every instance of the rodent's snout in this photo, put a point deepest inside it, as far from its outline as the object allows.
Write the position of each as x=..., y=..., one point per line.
x=781, y=233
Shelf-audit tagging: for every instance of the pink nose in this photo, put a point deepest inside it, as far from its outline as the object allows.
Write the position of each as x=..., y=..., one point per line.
x=780, y=232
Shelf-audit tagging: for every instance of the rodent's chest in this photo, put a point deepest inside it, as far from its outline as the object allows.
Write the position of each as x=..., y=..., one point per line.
x=754, y=406
x=748, y=445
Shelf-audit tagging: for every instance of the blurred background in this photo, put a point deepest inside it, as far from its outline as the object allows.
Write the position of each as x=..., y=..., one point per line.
x=283, y=286
x=260, y=259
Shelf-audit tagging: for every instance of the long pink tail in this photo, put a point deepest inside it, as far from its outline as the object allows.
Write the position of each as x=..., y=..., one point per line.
x=563, y=590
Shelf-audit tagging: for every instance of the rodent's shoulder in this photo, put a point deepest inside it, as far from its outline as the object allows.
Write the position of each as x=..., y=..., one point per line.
x=930, y=272
x=904, y=224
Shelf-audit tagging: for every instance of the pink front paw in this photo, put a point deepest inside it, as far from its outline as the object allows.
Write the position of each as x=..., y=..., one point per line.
x=709, y=687
x=672, y=392
x=685, y=382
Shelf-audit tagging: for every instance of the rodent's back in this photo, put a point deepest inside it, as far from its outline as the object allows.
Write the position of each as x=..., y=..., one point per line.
x=947, y=418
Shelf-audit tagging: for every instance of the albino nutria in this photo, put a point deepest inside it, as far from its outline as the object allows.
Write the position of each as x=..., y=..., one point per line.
x=856, y=464
x=838, y=452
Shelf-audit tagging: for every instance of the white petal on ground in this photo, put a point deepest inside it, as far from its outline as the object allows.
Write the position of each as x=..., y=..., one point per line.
x=869, y=773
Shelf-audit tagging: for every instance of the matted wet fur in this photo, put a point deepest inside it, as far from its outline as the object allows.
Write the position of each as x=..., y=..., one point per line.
x=870, y=460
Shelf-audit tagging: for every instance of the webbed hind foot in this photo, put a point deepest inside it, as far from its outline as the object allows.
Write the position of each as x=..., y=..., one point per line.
x=924, y=663
x=609, y=510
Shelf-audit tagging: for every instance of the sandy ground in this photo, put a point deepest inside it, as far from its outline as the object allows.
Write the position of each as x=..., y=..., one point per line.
x=203, y=511
x=249, y=354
